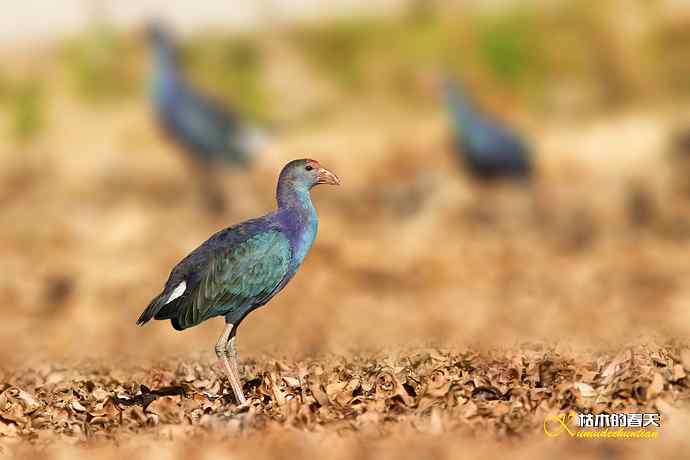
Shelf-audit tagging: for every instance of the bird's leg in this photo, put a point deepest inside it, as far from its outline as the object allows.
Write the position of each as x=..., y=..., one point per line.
x=208, y=188
x=212, y=191
x=224, y=343
x=232, y=358
x=214, y=198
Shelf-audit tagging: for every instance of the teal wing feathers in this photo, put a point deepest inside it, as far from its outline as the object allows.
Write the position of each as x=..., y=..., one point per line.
x=236, y=278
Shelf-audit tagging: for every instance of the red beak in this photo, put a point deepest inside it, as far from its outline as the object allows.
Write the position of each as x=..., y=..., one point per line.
x=327, y=177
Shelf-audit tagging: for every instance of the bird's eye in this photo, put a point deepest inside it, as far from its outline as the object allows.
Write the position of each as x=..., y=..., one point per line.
x=309, y=167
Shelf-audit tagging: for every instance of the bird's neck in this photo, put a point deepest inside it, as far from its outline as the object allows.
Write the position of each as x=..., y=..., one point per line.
x=165, y=72
x=299, y=217
x=291, y=195
x=460, y=105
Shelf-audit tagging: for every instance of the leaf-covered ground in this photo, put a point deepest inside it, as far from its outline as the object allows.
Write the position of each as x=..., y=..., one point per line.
x=502, y=396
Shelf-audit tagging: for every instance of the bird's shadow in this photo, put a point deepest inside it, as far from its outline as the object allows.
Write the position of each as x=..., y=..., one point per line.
x=148, y=396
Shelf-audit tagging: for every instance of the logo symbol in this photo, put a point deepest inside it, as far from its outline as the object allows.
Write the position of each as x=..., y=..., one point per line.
x=554, y=425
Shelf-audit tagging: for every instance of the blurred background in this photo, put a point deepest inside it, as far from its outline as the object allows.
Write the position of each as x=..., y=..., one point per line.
x=420, y=244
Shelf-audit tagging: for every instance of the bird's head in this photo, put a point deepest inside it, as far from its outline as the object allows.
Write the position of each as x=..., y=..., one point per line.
x=156, y=33
x=159, y=38
x=162, y=45
x=453, y=89
x=306, y=174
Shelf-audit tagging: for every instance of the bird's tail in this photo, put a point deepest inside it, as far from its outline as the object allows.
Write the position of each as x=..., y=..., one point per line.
x=154, y=307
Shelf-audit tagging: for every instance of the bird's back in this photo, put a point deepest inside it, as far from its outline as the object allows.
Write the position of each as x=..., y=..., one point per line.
x=203, y=127
x=493, y=150
x=233, y=272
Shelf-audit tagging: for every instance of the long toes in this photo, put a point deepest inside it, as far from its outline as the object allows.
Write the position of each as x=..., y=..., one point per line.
x=241, y=408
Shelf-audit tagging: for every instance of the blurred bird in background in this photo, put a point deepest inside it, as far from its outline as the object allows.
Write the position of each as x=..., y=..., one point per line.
x=489, y=149
x=210, y=134
x=241, y=268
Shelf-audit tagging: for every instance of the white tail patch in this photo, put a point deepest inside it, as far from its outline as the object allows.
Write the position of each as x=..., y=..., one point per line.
x=254, y=140
x=177, y=292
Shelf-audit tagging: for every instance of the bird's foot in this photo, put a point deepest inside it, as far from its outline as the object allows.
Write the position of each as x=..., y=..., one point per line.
x=234, y=381
x=243, y=407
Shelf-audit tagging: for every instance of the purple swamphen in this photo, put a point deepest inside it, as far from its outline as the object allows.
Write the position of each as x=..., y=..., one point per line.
x=489, y=148
x=242, y=267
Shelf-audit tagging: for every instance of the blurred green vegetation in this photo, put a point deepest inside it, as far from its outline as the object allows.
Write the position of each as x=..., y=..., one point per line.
x=674, y=41
x=27, y=107
x=397, y=48
x=4, y=88
x=506, y=44
x=232, y=68
x=100, y=63
x=510, y=45
x=339, y=49
x=523, y=48
x=360, y=54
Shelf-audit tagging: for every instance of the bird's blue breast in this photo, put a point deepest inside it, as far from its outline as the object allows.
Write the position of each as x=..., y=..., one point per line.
x=301, y=233
x=305, y=240
x=165, y=79
x=300, y=224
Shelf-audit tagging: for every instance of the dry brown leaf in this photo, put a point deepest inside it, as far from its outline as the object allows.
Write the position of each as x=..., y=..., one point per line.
x=27, y=400
x=678, y=372
x=334, y=389
x=655, y=387
x=616, y=365
x=77, y=406
x=8, y=429
x=293, y=382
x=318, y=393
x=586, y=390
x=469, y=410
x=99, y=394
x=685, y=358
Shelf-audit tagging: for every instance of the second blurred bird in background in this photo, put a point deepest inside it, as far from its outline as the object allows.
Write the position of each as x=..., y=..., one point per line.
x=211, y=134
x=490, y=149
